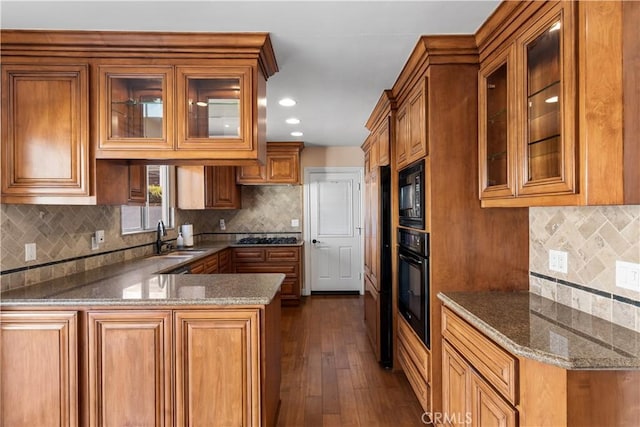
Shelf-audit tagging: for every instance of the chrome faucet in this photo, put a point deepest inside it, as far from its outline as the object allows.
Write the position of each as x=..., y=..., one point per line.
x=160, y=232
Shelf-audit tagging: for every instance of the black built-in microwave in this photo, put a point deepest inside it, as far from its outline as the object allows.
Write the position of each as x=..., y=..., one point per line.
x=411, y=195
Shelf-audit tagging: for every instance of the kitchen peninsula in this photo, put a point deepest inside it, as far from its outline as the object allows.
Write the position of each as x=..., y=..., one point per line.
x=133, y=344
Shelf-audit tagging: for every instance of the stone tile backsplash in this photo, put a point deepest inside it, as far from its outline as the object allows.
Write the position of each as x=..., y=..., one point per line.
x=594, y=238
x=63, y=233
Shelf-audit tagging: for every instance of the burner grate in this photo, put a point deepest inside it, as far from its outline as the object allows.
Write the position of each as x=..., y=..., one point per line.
x=267, y=240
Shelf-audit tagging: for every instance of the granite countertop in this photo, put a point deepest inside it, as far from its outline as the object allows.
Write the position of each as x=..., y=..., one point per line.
x=146, y=282
x=535, y=327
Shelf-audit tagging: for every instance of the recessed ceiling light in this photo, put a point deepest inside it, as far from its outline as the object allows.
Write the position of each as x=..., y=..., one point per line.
x=287, y=102
x=296, y=133
x=292, y=121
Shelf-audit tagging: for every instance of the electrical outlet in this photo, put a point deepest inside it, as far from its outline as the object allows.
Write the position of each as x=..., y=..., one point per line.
x=558, y=261
x=223, y=226
x=30, y=252
x=100, y=236
x=628, y=275
x=295, y=223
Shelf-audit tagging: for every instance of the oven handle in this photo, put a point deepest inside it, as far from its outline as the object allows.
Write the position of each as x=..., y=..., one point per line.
x=410, y=259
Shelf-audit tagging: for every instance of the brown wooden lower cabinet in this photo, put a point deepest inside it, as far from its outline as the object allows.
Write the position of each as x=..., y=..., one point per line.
x=165, y=366
x=484, y=385
x=414, y=361
x=208, y=265
x=224, y=261
x=202, y=368
x=39, y=368
x=129, y=366
x=372, y=314
x=284, y=259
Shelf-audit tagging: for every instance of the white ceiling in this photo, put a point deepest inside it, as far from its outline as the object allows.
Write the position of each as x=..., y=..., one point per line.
x=335, y=57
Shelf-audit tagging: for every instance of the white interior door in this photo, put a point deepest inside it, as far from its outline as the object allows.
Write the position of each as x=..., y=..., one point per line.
x=334, y=232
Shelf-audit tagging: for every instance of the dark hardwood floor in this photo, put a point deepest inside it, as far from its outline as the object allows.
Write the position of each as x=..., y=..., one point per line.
x=329, y=374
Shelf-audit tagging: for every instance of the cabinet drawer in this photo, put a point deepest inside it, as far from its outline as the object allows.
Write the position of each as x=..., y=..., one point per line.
x=417, y=381
x=492, y=362
x=248, y=255
x=290, y=271
x=414, y=348
x=282, y=254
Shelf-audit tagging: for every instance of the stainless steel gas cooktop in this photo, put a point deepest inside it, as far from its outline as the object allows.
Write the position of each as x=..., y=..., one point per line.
x=267, y=241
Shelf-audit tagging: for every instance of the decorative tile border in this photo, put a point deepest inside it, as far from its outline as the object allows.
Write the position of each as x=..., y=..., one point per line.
x=614, y=308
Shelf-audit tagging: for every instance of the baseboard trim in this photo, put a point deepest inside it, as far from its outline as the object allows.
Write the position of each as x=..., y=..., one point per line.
x=341, y=293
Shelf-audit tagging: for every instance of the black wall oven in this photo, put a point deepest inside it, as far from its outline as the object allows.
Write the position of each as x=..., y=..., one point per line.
x=411, y=195
x=413, y=281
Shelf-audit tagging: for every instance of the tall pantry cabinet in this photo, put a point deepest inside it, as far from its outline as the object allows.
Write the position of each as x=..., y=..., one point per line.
x=470, y=248
x=378, y=296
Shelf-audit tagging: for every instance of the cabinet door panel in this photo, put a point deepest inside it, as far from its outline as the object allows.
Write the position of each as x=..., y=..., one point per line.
x=136, y=107
x=214, y=108
x=251, y=174
x=213, y=387
x=383, y=142
x=548, y=116
x=496, y=125
x=283, y=168
x=39, y=369
x=221, y=190
x=45, y=133
x=130, y=368
x=372, y=316
x=418, y=113
x=402, y=137
x=488, y=409
x=455, y=387
x=137, y=184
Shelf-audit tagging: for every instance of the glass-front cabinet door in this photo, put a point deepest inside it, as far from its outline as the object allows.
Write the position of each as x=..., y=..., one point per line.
x=135, y=110
x=214, y=108
x=548, y=150
x=496, y=126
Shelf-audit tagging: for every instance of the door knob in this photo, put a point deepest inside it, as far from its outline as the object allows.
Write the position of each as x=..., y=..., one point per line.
x=314, y=241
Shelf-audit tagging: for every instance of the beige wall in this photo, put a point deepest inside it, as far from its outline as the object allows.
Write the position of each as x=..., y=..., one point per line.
x=331, y=157
x=594, y=238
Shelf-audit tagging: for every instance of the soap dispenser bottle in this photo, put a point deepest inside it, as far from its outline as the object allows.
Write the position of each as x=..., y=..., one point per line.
x=180, y=240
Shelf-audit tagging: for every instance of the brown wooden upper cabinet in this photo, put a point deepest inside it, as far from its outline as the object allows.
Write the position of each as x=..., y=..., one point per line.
x=545, y=135
x=45, y=133
x=380, y=125
x=72, y=98
x=282, y=166
x=411, y=124
x=208, y=187
x=212, y=119
x=134, y=111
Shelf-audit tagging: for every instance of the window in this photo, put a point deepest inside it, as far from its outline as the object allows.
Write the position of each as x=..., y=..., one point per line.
x=138, y=219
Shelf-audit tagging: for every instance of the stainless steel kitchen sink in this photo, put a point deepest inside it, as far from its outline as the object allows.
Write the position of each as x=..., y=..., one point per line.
x=186, y=254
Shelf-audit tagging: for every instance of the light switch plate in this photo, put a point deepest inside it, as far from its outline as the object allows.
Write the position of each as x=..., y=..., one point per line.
x=295, y=223
x=628, y=275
